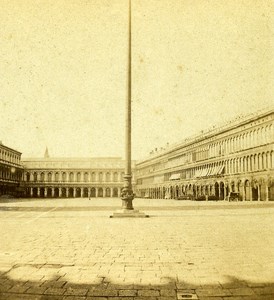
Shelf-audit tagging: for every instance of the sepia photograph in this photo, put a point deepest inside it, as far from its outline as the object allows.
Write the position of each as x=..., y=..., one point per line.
x=136, y=149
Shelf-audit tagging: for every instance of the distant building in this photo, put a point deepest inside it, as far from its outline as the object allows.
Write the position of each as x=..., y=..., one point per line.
x=73, y=177
x=11, y=171
x=237, y=157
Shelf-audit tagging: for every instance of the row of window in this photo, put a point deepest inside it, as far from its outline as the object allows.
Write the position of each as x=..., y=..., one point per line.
x=249, y=163
x=242, y=141
x=10, y=175
x=10, y=157
x=74, y=177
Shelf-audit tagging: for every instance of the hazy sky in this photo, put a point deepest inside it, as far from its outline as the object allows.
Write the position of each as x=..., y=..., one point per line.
x=63, y=71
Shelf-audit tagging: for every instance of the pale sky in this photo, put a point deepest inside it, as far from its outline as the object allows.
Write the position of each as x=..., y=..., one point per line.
x=63, y=71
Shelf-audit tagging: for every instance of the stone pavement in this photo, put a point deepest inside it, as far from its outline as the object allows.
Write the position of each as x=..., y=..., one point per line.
x=71, y=249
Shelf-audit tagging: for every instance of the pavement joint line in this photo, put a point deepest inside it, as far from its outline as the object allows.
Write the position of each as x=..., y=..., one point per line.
x=44, y=213
x=20, y=215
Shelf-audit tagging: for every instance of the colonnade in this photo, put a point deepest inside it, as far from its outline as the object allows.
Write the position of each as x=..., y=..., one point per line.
x=261, y=189
x=72, y=192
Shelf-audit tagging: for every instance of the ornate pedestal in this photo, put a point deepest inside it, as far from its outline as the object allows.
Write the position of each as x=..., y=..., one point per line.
x=128, y=213
x=127, y=210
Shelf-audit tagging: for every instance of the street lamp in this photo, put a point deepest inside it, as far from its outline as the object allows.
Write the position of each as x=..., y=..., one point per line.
x=127, y=193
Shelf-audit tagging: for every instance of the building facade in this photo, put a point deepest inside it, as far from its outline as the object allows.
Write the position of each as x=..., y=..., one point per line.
x=237, y=157
x=73, y=177
x=11, y=171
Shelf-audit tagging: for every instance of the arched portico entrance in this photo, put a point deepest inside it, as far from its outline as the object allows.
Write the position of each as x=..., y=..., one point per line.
x=216, y=186
x=42, y=192
x=107, y=192
x=247, y=190
x=100, y=192
x=70, y=192
x=115, y=192
x=56, y=193
x=78, y=192
x=222, y=191
x=93, y=192
x=35, y=192
x=85, y=192
x=63, y=192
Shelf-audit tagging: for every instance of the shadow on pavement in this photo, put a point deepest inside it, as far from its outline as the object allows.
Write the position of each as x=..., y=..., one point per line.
x=57, y=288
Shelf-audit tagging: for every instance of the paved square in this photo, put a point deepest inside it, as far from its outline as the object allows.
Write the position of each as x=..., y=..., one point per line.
x=71, y=249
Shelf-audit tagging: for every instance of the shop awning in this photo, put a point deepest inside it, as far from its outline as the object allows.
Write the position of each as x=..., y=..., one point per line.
x=175, y=177
x=216, y=170
x=198, y=173
x=220, y=170
x=204, y=172
x=213, y=171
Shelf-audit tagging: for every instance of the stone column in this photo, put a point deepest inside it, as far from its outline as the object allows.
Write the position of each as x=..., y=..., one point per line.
x=219, y=190
x=111, y=192
x=38, y=192
x=82, y=192
x=74, y=192
x=67, y=192
x=266, y=192
x=60, y=192
x=259, y=192
x=52, y=192
x=96, y=192
x=104, y=192
x=250, y=191
x=31, y=192
x=46, y=192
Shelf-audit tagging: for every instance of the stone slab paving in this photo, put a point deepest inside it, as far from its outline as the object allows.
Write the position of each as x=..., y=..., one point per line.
x=71, y=249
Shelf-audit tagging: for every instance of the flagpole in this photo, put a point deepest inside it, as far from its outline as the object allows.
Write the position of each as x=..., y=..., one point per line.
x=127, y=195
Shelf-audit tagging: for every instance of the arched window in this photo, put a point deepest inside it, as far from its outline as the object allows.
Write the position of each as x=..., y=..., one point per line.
x=108, y=177
x=34, y=176
x=56, y=177
x=267, y=160
x=251, y=163
x=86, y=177
x=262, y=136
x=240, y=165
x=259, y=161
x=50, y=177
x=255, y=164
x=71, y=177
x=237, y=165
x=93, y=176
x=100, y=176
x=64, y=177
x=42, y=177
x=243, y=141
x=78, y=177
x=263, y=160
x=269, y=134
x=115, y=177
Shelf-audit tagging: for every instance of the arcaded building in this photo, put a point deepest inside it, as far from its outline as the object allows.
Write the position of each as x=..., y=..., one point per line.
x=11, y=171
x=73, y=177
x=236, y=157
